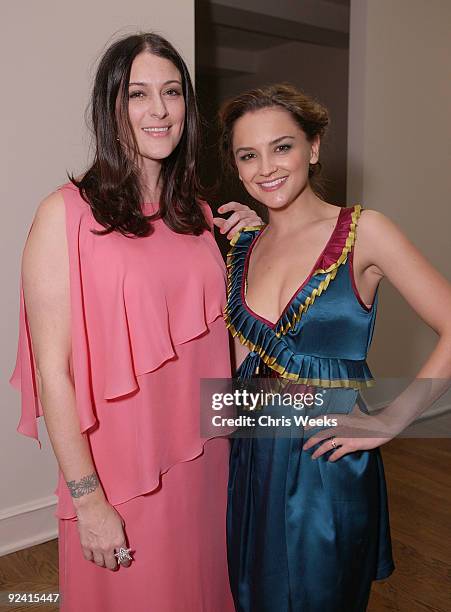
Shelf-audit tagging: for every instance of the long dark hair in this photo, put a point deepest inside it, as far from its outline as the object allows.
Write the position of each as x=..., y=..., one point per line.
x=311, y=116
x=111, y=186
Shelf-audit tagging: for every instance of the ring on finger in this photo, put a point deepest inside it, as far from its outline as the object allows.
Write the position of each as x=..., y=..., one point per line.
x=334, y=443
x=123, y=555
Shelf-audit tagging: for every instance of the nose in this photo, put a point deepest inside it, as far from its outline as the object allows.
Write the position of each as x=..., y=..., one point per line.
x=157, y=108
x=267, y=166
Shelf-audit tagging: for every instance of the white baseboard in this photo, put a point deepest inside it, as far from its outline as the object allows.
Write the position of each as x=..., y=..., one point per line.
x=28, y=524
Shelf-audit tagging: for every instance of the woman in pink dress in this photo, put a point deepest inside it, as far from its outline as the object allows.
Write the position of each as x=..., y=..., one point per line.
x=121, y=316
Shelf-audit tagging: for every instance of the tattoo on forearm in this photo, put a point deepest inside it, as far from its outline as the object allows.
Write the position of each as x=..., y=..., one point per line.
x=86, y=485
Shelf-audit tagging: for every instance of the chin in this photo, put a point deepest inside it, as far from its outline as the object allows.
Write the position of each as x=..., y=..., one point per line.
x=157, y=153
x=278, y=206
x=273, y=203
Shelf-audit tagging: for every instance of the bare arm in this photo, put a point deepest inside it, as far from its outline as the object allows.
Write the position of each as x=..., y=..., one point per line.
x=414, y=277
x=388, y=253
x=45, y=273
x=396, y=258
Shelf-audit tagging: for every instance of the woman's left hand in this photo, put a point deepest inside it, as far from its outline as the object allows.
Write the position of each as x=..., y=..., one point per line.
x=242, y=216
x=354, y=432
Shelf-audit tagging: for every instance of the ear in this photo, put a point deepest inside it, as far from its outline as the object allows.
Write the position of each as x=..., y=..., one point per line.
x=314, y=154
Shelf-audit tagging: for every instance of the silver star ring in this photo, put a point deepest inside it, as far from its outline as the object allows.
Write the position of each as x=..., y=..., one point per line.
x=123, y=555
x=334, y=444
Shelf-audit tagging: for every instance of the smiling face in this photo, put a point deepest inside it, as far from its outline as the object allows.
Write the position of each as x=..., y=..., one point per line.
x=272, y=156
x=156, y=106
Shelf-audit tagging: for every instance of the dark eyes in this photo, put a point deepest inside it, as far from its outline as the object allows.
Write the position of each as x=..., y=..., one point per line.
x=172, y=93
x=246, y=156
x=283, y=148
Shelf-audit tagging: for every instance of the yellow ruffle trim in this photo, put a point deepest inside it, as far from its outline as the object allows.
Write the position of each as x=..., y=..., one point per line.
x=272, y=363
x=229, y=259
x=331, y=272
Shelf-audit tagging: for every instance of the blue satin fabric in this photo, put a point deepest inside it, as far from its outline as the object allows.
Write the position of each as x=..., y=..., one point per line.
x=305, y=535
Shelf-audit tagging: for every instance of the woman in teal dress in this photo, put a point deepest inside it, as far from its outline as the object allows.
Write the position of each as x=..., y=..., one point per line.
x=307, y=520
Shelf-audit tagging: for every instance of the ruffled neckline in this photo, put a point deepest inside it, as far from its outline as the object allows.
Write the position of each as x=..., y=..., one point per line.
x=327, y=256
x=265, y=339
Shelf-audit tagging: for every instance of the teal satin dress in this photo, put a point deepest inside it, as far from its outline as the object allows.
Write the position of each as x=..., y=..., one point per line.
x=306, y=535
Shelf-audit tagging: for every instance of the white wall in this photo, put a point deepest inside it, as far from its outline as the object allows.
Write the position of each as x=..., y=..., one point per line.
x=49, y=49
x=398, y=153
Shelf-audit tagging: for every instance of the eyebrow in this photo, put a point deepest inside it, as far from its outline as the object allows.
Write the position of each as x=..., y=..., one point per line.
x=142, y=84
x=273, y=142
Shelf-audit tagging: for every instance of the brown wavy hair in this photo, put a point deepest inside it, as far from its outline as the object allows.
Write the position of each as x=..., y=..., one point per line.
x=111, y=185
x=310, y=115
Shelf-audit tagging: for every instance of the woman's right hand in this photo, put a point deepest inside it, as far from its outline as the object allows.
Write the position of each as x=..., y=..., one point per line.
x=101, y=530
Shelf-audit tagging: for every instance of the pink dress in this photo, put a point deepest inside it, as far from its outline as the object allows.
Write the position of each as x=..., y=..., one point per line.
x=147, y=325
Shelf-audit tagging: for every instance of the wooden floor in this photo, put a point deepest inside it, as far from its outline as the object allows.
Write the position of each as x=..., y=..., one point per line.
x=419, y=481
x=419, y=486
x=31, y=570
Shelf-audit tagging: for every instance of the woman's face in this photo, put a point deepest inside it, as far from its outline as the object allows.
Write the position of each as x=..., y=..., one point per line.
x=272, y=155
x=156, y=105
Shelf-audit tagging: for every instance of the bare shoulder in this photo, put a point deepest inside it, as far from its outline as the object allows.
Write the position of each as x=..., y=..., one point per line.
x=381, y=233
x=373, y=224
x=46, y=242
x=50, y=211
x=384, y=245
x=387, y=249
